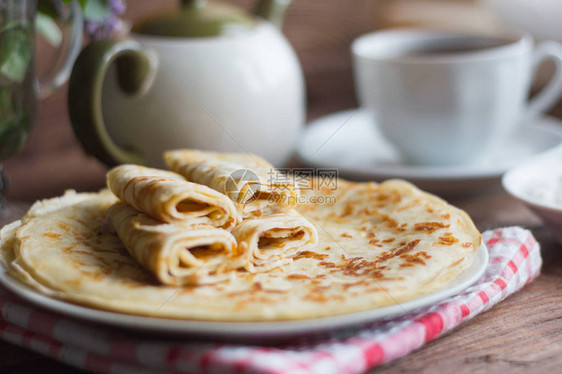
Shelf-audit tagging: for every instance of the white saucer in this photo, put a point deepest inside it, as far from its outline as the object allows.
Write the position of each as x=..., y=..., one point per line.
x=349, y=141
x=274, y=330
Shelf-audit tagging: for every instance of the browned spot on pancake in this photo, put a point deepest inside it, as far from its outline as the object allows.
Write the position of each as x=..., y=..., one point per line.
x=359, y=266
x=417, y=258
x=406, y=265
x=447, y=240
x=407, y=247
x=370, y=235
x=74, y=282
x=327, y=248
x=275, y=291
x=327, y=264
x=81, y=252
x=392, y=197
x=354, y=284
x=375, y=289
x=429, y=227
x=375, y=242
x=356, y=266
x=81, y=222
x=456, y=263
x=310, y=254
x=347, y=210
x=326, y=190
x=467, y=244
x=298, y=276
x=363, y=212
x=189, y=289
x=389, y=240
x=238, y=293
x=346, y=235
x=92, y=255
x=96, y=277
x=254, y=298
x=63, y=226
x=51, y=235
x=316, y=297
x=67, y=250
x=393, y=224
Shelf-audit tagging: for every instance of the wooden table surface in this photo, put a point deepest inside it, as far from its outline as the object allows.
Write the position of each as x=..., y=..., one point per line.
x=521, y=334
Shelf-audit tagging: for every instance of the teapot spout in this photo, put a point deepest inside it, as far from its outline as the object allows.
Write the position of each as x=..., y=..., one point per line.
x=272, y=10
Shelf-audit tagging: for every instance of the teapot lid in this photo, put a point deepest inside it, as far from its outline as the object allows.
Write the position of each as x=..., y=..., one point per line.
x=196, y=19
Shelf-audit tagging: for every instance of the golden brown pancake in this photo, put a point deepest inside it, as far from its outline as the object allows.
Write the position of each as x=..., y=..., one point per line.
x=168, y=197
x=267, y=242
x=247, y=179
x=379, y=244
x=176, y=253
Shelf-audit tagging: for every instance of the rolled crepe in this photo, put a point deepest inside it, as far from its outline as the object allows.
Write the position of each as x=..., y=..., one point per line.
x=271, y=241
x=175, y=253
x=168, y=197
x=248, y=180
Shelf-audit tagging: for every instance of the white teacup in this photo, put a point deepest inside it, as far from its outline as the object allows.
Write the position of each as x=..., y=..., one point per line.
x=444, y=98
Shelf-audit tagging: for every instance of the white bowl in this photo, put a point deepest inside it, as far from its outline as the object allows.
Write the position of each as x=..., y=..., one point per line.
x=538, y=184
x=539, y=17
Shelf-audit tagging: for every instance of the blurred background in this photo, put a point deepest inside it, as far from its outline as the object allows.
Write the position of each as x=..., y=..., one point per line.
x=320, y=31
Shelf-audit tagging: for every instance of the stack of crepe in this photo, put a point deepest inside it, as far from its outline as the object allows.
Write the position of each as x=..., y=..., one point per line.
x=378, y=244
x=202, y=229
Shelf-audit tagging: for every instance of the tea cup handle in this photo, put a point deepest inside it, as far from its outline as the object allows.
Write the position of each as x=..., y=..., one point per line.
x=550, y=94
x=136, y=68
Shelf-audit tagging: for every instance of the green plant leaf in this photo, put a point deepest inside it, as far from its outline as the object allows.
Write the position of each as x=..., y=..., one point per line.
x=48, y=29
x=14, y=123
x=96, y=10
x=10, y=25
x=15, y=52
x=82, y=3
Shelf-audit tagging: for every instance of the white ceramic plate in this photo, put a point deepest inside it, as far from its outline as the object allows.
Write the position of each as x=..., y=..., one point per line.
x=244, y=330
x=350, y=141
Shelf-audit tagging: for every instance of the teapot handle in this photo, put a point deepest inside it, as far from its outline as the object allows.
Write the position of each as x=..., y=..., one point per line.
x=272, y=10
x=136, y=68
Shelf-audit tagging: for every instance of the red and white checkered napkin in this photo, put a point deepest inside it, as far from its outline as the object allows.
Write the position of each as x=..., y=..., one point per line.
x=514, y=261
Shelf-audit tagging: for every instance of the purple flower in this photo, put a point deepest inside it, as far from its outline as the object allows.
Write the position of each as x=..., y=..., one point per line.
x=117, y=6
x=111, y=25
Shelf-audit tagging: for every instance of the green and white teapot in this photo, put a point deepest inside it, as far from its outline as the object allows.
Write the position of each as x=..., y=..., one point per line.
x=206, y=75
